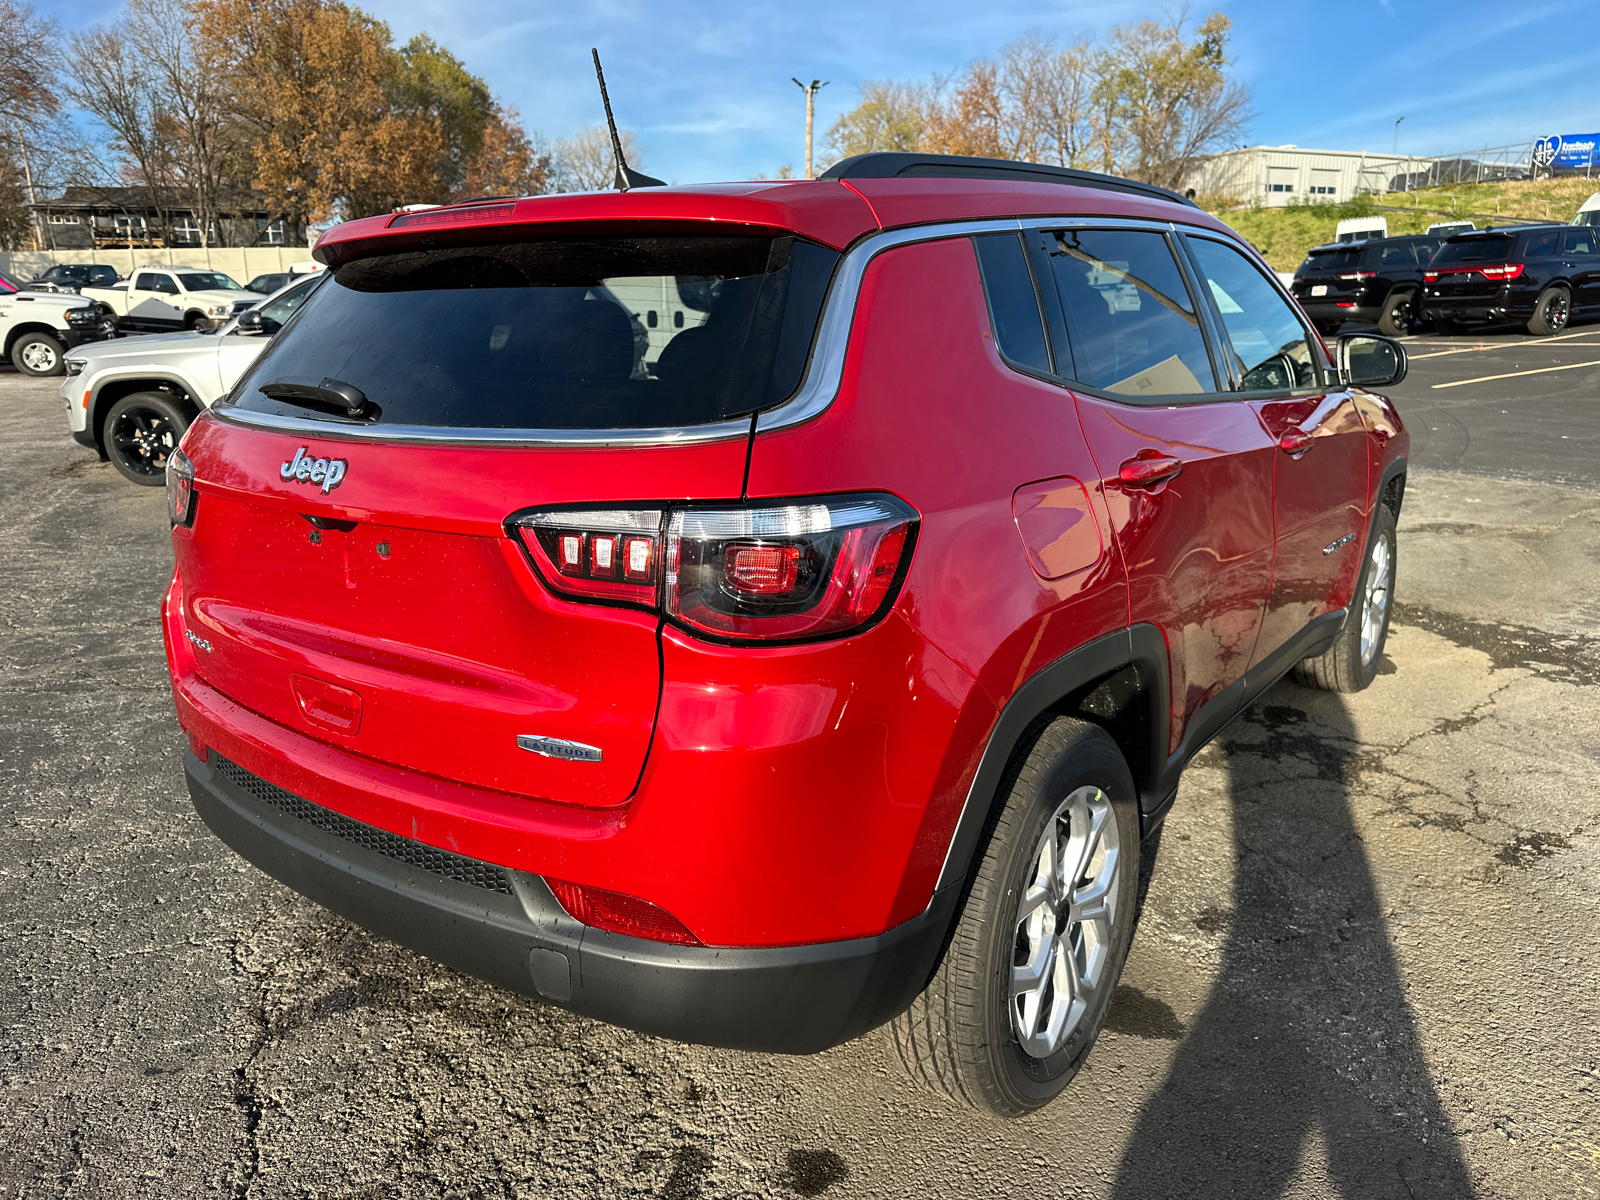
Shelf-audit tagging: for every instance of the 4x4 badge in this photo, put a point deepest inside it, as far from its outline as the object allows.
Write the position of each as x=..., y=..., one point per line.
x=558, y=748
x=327, y=473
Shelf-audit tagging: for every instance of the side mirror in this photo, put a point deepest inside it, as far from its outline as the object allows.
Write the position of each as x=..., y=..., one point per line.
x=249, y=321
x=1366, y=360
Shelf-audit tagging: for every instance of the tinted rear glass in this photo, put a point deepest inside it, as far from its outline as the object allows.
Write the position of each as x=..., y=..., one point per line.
x=595, y=333
x=1331, y=260
x=1478, y=249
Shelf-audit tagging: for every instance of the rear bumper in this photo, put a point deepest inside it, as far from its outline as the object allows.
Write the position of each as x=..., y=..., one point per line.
x=1319, y=310
x=504, y=926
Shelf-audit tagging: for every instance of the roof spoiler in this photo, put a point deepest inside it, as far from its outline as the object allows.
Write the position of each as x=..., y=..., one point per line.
x=898, y=165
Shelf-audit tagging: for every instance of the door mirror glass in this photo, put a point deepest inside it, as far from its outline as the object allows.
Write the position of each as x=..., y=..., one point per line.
x=249, y=322
x=1368, y=361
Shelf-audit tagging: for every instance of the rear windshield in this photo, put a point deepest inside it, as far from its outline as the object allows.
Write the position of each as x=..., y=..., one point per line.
x=1342, y=259
x=594, y=333
x=1477, y=249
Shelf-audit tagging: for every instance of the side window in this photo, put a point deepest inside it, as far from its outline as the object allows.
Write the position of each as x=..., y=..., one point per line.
x=1270, y=346
x=1540, y=245
x=165, y=285
x=1013, y=301
x=1578, y=242
x=1397, y=256
x=274, y=315
x=1131, y=320
x=145, y=282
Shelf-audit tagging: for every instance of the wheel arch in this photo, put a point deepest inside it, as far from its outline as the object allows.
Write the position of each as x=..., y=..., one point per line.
x=112, y=390
x=1118, y=682
x=26, y=327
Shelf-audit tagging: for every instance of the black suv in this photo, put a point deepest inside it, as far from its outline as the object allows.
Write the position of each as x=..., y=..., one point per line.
x=70, y=277
x=1364, y=281
x=1541, y=275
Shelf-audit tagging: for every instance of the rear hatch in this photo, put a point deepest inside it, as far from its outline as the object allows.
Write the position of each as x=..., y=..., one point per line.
x=1330, y=274
x=350, y=570
x=1456, y=272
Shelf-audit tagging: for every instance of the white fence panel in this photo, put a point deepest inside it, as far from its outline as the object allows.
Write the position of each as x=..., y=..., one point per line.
x=244, y=264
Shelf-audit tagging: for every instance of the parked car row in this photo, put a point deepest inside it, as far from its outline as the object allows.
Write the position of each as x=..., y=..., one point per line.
x=1539, y=276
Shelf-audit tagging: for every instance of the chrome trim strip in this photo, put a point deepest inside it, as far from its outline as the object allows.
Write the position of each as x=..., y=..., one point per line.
x=446, y=435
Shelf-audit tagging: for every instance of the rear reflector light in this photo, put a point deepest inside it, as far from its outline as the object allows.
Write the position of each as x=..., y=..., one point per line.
x=1499, y=271
x=1360, y=275
x=820, y=567
x=620, y=914
x=180, y=489
x=453, y=216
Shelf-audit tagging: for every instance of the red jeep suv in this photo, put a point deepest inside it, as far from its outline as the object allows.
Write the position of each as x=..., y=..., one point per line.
x=756, y=613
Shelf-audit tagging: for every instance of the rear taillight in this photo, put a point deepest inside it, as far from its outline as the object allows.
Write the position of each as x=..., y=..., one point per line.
x=1359, y=275
x=620, y=913
x=816, y=568
x=180, y=489
x=811, y=568
x=1500, y=271
x=596, y=554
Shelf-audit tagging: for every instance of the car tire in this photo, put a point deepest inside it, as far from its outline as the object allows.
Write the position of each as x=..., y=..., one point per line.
x=1446, y=328
x=1351, y=663
x=38, y=354
x=1551, y=312
x=1399, y=316
x=140, y=432
x=962, y=1036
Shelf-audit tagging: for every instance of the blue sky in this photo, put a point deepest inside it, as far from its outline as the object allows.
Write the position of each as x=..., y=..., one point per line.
x=706, y=85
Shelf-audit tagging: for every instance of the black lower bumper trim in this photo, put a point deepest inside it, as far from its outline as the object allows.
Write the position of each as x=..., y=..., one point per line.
x=789, y=999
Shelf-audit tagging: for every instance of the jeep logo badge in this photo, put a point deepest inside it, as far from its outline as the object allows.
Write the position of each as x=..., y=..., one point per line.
x=326, y=473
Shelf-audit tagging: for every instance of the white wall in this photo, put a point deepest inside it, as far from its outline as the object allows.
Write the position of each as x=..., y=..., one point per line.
x=243, y=264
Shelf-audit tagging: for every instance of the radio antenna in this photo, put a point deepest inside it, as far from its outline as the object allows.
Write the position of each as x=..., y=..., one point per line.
x=627, y=177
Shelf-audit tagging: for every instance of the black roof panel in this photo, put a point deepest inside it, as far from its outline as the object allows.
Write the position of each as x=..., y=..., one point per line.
x=895, y=165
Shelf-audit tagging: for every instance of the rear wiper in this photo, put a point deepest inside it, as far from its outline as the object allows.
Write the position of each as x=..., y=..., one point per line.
x=333, y=394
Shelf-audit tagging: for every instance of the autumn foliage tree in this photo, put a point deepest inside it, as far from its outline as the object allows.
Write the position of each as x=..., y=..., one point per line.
x=1147, y=104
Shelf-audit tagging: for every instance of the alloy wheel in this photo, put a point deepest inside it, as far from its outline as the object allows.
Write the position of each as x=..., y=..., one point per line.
x=1375, y=607
x=1064, y=922
x=143, y=439
x=1556, y=310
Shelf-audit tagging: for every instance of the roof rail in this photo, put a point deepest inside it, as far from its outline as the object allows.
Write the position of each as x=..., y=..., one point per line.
x=892, y=164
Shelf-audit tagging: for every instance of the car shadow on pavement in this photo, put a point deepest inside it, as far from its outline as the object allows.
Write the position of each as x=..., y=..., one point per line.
x=1303, y=1073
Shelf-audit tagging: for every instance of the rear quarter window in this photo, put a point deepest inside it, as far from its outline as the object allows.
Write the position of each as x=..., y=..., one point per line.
x=562, y=333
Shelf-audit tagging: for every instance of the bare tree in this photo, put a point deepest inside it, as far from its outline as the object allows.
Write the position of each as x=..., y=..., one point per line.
x=191, y=99
x=29, y=60
x=111, y=80
x=585, y=162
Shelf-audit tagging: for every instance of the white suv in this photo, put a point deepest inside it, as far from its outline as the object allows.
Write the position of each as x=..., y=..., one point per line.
x=132, y=399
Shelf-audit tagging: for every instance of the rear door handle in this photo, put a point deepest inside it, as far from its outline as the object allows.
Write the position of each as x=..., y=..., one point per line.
x=1149, y=468
x=1296, y=441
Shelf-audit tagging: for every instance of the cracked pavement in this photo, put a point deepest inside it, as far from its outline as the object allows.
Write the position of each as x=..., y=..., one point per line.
x=1367, y=966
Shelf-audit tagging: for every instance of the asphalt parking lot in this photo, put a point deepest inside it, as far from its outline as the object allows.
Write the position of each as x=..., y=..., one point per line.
x=1367, y=966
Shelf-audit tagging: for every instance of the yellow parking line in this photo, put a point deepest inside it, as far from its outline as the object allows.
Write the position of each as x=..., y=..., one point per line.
x=1514, y=374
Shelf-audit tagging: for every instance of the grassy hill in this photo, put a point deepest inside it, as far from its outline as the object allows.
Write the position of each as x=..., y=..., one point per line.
x=1283, y=235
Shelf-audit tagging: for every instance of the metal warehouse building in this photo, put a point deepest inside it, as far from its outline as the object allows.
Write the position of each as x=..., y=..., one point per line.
x=1275, y=175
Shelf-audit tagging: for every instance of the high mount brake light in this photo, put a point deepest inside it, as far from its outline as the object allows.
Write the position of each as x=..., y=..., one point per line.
x=596, y=554
x=453, y=216
x=816, y=568
x=180, y=489
x=620, y=913
x=1499, y=271
x=820, y=567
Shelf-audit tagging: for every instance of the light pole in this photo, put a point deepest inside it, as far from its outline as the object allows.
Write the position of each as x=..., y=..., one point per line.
x=1396, y=147
x=811, y=112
